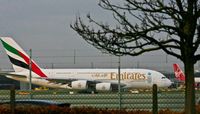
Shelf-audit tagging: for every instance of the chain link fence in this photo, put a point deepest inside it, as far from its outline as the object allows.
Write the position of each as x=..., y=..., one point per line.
x=173, y=100
x=80, y=58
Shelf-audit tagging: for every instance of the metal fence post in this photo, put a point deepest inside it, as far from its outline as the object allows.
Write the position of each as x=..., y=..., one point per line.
x=12, y=99
x=155, y=99
x=30, y=74
x=119, y=84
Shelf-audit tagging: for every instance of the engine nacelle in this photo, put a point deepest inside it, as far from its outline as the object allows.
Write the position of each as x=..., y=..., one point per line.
x=80, y=84
x=103, y=86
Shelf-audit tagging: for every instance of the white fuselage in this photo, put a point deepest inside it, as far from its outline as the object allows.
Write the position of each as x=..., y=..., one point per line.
x=130, y=78
x=197, y=80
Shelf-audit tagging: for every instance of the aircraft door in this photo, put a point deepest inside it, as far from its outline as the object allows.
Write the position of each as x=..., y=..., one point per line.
x=149, y=79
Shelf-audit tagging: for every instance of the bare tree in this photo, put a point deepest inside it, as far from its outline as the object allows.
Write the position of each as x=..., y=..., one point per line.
x=150, y=25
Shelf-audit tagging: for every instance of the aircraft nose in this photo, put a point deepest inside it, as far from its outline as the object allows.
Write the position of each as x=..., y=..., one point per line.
x=165, y=83
x=169, y=83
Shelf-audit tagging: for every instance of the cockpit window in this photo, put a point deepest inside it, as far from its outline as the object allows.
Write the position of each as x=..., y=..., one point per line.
x=163, y=78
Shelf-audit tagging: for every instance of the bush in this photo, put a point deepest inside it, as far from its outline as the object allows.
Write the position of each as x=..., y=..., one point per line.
x=32, y=109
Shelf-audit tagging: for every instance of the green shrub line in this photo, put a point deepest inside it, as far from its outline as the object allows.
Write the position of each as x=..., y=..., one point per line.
x=36, y=109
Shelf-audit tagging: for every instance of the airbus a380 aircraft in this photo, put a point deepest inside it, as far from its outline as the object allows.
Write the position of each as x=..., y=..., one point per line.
x=97, y=79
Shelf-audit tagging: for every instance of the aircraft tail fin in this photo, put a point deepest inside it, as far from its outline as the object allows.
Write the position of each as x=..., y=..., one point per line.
x=178, y=73
x=18, y=57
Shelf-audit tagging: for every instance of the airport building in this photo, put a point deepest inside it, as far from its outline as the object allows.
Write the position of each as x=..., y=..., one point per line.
x=5, y=80
x=18, y=85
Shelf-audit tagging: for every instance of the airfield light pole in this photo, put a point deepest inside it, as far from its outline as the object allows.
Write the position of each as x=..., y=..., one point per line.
x=30, y=73
x=74, y=56
x=119, y=82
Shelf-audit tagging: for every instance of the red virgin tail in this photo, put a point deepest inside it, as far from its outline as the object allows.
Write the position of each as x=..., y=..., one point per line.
x=178, y=73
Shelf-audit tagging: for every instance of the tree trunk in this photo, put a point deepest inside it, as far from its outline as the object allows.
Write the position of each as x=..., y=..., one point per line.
x=190, y=88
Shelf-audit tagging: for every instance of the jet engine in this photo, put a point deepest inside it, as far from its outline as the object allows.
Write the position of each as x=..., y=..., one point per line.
x=80, y=84
x=104, y=86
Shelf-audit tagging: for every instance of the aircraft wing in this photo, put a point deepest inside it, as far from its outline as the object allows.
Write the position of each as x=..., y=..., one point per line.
x=67, y=83
x=90, y=83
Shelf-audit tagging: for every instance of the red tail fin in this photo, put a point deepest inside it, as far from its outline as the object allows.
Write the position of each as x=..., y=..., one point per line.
x=178, y=73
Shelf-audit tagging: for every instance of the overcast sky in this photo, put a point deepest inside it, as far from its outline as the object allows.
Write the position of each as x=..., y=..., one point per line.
x=45, y=24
